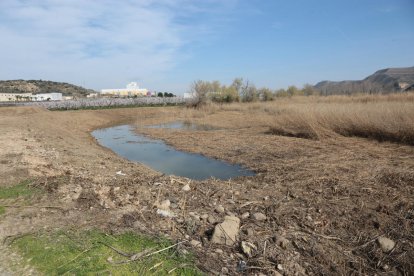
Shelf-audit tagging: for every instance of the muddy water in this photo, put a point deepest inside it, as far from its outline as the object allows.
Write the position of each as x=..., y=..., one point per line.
x=163, y=158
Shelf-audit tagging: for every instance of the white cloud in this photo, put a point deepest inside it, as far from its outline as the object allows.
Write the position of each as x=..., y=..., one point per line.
x=98, y=43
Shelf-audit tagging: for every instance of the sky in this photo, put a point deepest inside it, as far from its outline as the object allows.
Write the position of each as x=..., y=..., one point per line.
x=165, y=45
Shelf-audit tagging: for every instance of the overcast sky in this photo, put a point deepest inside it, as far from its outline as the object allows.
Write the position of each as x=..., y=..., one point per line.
x=165, y=45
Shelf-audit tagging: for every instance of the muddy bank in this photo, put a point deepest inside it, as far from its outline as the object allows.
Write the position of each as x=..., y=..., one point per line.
x=323, y=204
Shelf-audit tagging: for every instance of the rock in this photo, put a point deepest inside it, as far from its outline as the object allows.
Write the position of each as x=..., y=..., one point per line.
x=386, y=244
x=248, y=248
x=164, y=205
x=245, y=215
x=259, y=216
x=211, y=219
x=281, y=241
x=276, y=273
x=194, y=215
x=227, y=231
x=236, y=193
x=219, y=251
x=165, y=213
x=249, y=231
x=219, y=209
x=280, y=267
x=195, y=243
x=186, y=188
x=204, y=216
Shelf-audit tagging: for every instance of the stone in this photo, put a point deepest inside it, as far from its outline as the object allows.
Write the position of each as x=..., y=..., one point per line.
x=224, y=270
x=164, y=205
x=165, y=213
x=386, y=244
x=204, y=216
x=281, y=241
x=259, y=216
x=219, y=251
x=249, y=232
x=194, y=215
x=227, y=231
x=195, y=243
x=219, y=209
x=245, y=215
x=186, y=188
x=248, y=248
x=211, y=219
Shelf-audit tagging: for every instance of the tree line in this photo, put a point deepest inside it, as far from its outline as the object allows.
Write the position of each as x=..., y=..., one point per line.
x=241, y=90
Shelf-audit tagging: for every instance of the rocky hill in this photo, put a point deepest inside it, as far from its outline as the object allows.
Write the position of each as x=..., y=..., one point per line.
x=40, y=86
x=383, y=81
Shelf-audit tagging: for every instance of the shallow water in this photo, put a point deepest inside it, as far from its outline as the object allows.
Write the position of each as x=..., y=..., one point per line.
x=163, y=158
x=184, y=125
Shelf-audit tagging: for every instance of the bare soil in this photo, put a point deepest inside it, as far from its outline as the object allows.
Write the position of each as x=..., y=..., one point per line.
x=326, y=202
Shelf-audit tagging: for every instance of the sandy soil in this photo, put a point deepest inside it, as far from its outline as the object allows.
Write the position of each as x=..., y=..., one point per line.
x=325, y=202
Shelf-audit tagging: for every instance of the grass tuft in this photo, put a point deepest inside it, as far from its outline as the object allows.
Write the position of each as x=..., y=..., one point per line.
x=2, y=210
x=19, y=190
x=84, y=253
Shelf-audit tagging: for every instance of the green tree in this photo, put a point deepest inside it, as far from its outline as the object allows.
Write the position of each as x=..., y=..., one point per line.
x=160, y=94
x=294, y=91
x=265, y=94
x=281, y=93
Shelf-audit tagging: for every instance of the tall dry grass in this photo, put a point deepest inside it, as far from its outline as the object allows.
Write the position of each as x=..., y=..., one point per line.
x=380, y=117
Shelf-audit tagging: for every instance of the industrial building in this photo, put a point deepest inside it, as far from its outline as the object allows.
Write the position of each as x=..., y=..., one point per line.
x=131, y=90
x=29, y=97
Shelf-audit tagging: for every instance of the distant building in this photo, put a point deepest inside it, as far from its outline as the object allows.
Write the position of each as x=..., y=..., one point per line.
x=47, y=97
x=29, y=97
x=131, y=90
x=15, y=97
x=92, y=95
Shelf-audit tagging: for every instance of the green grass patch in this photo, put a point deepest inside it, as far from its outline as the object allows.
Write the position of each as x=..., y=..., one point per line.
x=85, y=253
x=19, y=190
x=2, y=210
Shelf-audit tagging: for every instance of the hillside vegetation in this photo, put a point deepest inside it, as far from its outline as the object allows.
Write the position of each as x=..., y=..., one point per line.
x=41, y=86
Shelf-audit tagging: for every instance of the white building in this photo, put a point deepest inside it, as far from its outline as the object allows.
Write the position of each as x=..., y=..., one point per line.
x=47, y=97
x=29, y=97
x=15, y=97
x=132, y=89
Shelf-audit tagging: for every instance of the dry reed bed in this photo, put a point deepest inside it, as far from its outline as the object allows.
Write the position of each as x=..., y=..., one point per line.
x=379, y=117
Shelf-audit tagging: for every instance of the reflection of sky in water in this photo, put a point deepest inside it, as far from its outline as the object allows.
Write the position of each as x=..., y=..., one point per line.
x=156, y=154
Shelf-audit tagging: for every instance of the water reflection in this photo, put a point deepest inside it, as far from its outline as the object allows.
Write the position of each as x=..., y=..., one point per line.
x=161, y=157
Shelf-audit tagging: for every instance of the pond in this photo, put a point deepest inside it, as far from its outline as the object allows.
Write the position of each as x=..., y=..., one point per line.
x=124, y=141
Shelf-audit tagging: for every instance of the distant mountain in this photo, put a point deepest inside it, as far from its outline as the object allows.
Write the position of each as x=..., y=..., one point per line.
x=383, y=81
x=40, y=86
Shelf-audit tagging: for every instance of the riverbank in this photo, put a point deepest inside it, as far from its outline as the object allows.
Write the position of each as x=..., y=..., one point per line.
x=324, y=202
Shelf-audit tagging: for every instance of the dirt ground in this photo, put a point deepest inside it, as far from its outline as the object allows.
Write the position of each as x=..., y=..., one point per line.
x=326, y=202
